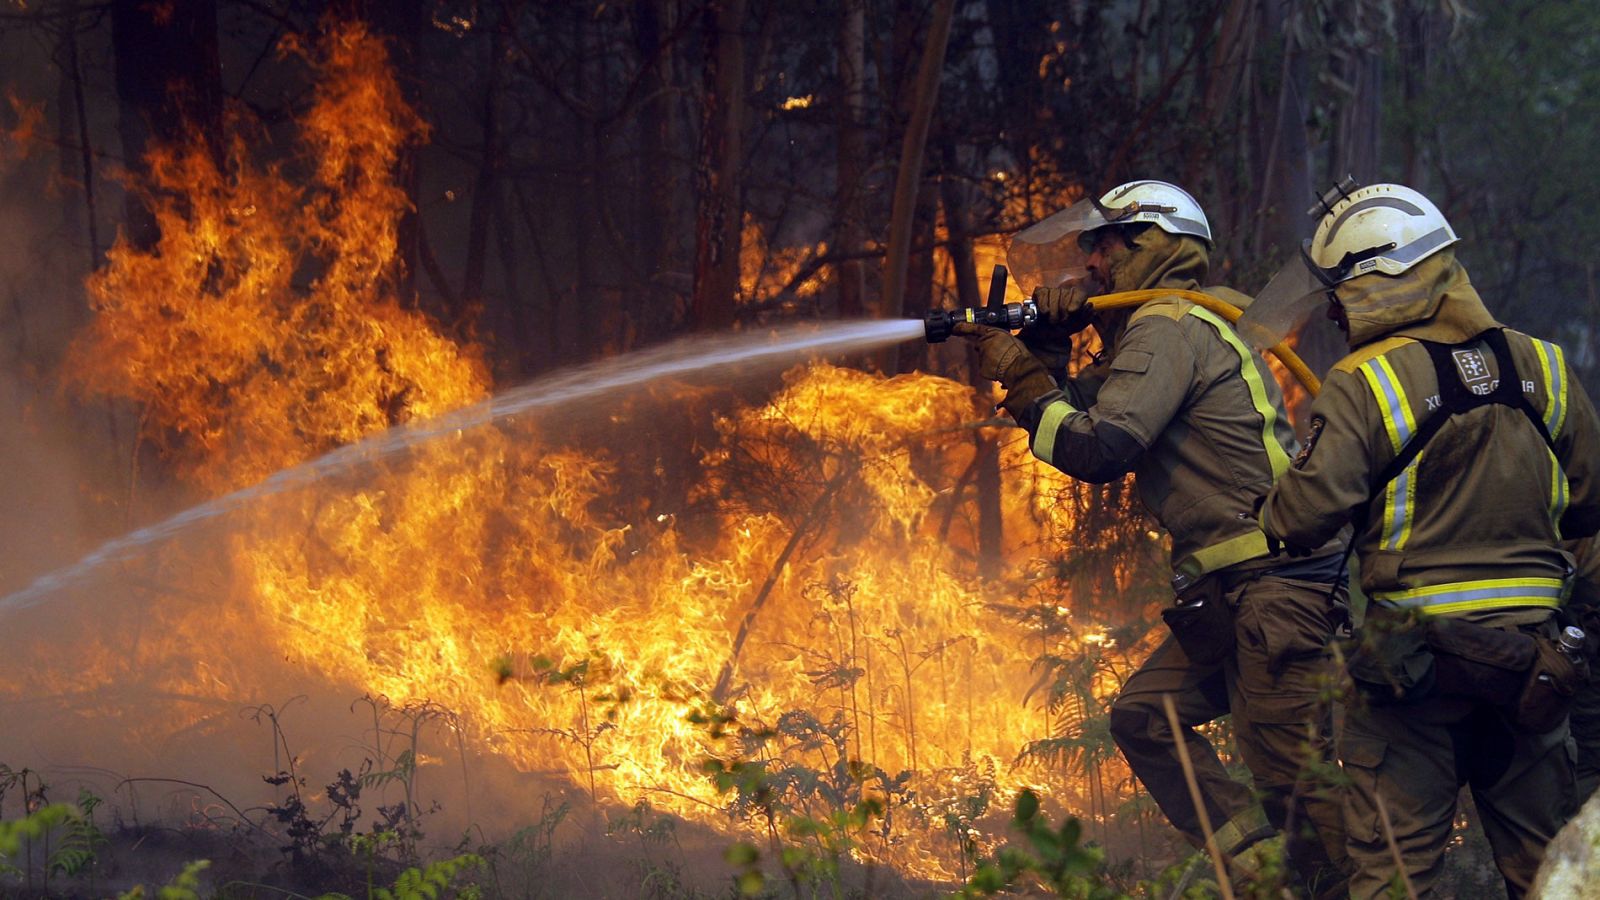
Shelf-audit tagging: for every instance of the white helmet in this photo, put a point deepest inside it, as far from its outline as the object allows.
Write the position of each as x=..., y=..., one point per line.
x=1168, y=206
x=1056, y=250
x=1385, y=228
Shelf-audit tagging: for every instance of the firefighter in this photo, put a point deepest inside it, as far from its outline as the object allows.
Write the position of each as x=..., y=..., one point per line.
x=1463, y=452
x=1179, y=400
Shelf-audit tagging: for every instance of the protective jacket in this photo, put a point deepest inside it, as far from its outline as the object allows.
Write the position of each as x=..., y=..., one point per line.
x=1471, y=525
x=1181, y=401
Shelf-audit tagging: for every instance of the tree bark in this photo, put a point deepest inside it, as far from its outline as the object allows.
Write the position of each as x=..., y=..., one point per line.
x=1358, y=73
x=73, y=129
x=991, y=535
x=654, y=307
x=851, y=159
x=1283, y=152
x=719, y=216
x=485, y=192
x=908, y=178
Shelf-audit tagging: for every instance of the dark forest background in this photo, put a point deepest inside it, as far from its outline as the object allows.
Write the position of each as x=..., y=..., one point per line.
x=594, y=171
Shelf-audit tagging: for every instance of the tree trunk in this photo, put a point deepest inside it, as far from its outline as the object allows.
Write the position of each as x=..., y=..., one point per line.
x=719, y=217
x=654, y=307
x=1283, y=152
x=72, y=129
x=169, y=88
x=908, y=178
x=991, y=536
x=851, y=161
x=1353, y=150
x=484, y=192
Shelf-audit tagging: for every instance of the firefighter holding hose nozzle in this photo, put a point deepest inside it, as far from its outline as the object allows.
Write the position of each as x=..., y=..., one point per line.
x=1179, y=400
x=1465, y=452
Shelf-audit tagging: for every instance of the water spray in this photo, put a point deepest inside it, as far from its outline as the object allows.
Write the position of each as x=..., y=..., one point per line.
x=938, y=324
x=726, y=355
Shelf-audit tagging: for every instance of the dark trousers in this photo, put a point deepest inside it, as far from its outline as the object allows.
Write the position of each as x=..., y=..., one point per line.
x=1278, y=684
x=1415, y=758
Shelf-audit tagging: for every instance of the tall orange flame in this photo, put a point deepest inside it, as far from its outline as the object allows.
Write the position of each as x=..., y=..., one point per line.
x=831, y=585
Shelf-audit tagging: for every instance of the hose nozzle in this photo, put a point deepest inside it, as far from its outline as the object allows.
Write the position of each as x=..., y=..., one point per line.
x=939, y=323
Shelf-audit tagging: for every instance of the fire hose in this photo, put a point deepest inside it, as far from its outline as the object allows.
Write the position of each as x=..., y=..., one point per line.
x=938, y=324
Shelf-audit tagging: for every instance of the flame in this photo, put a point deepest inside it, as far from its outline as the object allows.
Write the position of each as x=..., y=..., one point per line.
x=19, y=139
x=768, y=273
x=510, y=577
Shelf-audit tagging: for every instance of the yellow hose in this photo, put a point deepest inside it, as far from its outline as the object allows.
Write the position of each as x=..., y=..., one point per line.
x=1285, y=354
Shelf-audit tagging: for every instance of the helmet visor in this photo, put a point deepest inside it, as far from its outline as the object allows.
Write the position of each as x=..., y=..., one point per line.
x=1051, y=252
x=1286, y=306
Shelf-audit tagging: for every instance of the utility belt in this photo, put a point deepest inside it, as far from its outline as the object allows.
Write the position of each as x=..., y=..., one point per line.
x=1523, y=671
x=1202, y=619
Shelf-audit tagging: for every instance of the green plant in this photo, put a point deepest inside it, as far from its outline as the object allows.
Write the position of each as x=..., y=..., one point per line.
x=1052, y=859
x=77, y=853
x=186, y=886
x=425, y=882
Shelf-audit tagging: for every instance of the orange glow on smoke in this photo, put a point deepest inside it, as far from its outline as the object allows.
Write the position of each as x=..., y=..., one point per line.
x=509, y=578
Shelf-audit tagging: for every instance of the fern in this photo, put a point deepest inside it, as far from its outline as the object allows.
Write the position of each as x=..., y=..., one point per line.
x=77, y=852
x=184, y=887
x=430, y=882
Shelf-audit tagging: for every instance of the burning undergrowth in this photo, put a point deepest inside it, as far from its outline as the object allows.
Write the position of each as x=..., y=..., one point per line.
x=741, y=614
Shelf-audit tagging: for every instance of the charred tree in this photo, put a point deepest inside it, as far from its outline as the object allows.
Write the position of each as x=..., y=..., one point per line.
x=851, y=159
x=169, y=88
x=485, y=187
x=75, y=160
x=653, y=310
x=908, y=176
x=986, y=480
x=718, y=218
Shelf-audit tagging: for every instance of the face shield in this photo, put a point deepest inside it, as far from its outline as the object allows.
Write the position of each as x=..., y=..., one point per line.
x=1052, y=252
x=1292, y=302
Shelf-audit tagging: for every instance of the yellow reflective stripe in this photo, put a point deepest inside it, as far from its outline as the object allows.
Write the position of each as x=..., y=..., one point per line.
x=1250, y=823
x=1553, y=368
x=1558, y=492
x=1044, y=437
x=1277, y=457
x=1399, y=506
x=1223, y=554
x=1465, y=596
x=1399, y=495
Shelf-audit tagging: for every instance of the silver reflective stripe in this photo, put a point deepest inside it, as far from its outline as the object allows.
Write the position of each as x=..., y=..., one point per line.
x=1553, y=364
x=1410, y=209
x=1466, y=596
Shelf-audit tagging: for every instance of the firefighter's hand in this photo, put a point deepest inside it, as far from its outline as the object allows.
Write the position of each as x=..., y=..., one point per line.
x=1001, y=356
x=1274, y=545
x=1066, y=307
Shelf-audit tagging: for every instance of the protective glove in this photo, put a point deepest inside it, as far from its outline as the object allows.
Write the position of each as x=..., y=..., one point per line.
x=1065, y=308
x=1004, y=358
x=1001, y=356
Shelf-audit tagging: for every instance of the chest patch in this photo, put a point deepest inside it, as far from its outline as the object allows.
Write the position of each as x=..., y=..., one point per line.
x=1317, y=423
x=1471, y=365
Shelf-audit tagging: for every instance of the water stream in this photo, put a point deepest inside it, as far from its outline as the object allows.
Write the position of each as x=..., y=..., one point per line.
x=750, y=352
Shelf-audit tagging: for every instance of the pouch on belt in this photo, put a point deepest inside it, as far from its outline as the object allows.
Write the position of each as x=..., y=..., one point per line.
x=1546, y=696
x=1201, y=621
x=1527, y=676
